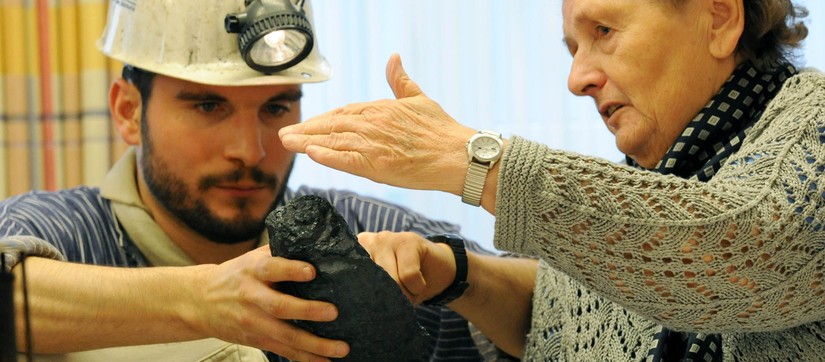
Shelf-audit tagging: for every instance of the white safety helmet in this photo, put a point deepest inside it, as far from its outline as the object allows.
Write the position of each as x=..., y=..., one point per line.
x=188, y=39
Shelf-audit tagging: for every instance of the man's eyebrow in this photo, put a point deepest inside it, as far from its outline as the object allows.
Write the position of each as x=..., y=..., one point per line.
x=200, y=96
x=288, y=96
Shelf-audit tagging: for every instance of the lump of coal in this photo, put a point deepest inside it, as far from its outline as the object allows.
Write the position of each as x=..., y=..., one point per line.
x=374, y=316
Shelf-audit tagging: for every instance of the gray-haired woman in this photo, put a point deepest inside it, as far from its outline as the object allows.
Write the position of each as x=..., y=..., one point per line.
x=706, y=245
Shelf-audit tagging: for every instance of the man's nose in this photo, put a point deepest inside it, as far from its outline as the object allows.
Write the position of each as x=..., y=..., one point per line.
x=245, y=143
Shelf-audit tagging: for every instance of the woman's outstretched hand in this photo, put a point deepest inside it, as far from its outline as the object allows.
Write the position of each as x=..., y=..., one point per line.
x=409, y=142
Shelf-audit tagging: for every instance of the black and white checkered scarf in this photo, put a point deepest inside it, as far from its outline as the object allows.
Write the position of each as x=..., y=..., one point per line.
x=719, y=128
x=707, y=141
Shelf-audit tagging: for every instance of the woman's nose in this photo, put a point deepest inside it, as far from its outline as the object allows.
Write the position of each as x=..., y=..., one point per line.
x=585, y=76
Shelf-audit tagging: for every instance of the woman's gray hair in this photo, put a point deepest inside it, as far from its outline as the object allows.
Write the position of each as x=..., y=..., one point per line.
x=773, y=31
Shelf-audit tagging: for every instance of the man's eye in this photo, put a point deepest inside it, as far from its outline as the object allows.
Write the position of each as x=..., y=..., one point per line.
x=275, y=108
x=207, y=107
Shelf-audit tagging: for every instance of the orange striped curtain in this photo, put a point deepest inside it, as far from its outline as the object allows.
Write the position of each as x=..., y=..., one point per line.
x=55, y=128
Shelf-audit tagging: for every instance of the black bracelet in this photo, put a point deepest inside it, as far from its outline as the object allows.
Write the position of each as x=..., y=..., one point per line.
x=459, y=284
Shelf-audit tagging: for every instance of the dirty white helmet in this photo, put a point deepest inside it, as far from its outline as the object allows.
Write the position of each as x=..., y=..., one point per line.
x=188, y=39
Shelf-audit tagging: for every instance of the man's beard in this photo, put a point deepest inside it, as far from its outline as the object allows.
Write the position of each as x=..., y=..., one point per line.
x=171, y=192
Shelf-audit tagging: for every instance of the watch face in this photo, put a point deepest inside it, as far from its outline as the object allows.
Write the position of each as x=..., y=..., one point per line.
x=485, y=148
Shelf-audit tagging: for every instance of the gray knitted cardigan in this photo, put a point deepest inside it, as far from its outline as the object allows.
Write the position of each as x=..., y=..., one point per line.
x=627, y=251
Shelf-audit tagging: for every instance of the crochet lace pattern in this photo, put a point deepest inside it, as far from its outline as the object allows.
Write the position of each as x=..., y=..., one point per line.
x=626, y=251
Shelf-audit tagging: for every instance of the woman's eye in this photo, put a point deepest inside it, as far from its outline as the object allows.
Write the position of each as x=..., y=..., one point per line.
x=603, y=30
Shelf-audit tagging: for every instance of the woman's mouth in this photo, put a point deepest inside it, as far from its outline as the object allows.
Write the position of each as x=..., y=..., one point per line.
x=612, y=109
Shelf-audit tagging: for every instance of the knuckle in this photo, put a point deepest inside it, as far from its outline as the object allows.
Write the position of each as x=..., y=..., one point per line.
x=337, y=140
x=291, y=336
x=408, y=242
x=277, y=306
x=264, y=269
x=408, y=276
x=289, y=354
x=366, y=236
x=254, y=340
x=314, y=309
x=245, y=320
x=376, y=107
x=383, y=233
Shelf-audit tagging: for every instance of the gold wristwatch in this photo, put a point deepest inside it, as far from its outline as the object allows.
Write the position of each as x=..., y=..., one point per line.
x=483, y=150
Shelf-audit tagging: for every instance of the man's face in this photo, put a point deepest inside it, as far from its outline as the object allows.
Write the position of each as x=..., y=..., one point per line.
x=647, y=65
x=211, y=156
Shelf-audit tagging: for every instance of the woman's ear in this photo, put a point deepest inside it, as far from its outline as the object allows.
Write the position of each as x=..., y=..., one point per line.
x=727, y=27
x=125, y=104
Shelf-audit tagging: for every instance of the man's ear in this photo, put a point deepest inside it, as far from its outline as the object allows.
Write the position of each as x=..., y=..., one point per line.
x=125, y=104
x=727, y=27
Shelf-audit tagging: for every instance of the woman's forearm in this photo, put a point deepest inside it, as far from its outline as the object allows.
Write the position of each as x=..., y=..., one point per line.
x=498, y=301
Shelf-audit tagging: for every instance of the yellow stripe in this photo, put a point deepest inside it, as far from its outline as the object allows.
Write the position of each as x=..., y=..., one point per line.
x=2, y=52
x=13, y=24
x=71, y=137
x=3, y=166
x=94, y=19
x=69, y=62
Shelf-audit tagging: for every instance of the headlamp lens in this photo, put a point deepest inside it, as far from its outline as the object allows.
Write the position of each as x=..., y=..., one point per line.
x=278, y=47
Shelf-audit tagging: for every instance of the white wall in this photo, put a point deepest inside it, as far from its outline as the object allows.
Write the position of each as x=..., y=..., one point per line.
x=491, y=64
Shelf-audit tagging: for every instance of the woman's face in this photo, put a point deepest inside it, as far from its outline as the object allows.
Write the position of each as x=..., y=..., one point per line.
x=647, y=64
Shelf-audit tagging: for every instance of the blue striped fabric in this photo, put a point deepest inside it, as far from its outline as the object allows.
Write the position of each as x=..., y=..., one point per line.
x=80, y=224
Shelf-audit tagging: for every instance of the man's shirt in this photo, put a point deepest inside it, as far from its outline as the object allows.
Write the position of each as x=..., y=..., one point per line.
x=110, y=226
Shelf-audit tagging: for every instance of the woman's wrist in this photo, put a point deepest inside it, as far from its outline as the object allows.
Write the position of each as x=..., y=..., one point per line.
x=459, y=282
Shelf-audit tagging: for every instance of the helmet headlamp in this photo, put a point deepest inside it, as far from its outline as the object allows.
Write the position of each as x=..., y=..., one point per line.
x=273, y=35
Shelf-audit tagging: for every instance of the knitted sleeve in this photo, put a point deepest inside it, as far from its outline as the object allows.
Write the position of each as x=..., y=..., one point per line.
x=742, y=252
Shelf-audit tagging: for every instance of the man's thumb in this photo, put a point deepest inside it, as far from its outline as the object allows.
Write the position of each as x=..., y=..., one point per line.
x=401, y=84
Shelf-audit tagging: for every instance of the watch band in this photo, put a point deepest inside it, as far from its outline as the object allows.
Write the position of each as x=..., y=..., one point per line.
x=474, y=183
x=480, y=162
x=459, y=284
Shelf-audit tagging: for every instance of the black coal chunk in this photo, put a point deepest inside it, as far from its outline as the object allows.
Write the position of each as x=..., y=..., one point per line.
x=374, y=316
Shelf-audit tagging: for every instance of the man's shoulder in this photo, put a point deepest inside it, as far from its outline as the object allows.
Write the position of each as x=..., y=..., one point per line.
x=63, y=194
x=78, y=197
x=61, y=217
x=344, y=199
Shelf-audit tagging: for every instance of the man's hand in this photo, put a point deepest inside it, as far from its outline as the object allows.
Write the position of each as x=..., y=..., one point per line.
x=78, y=307
x=240, y=304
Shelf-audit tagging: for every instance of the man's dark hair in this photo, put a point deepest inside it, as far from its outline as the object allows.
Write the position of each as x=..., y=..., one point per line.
x=142, y=79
